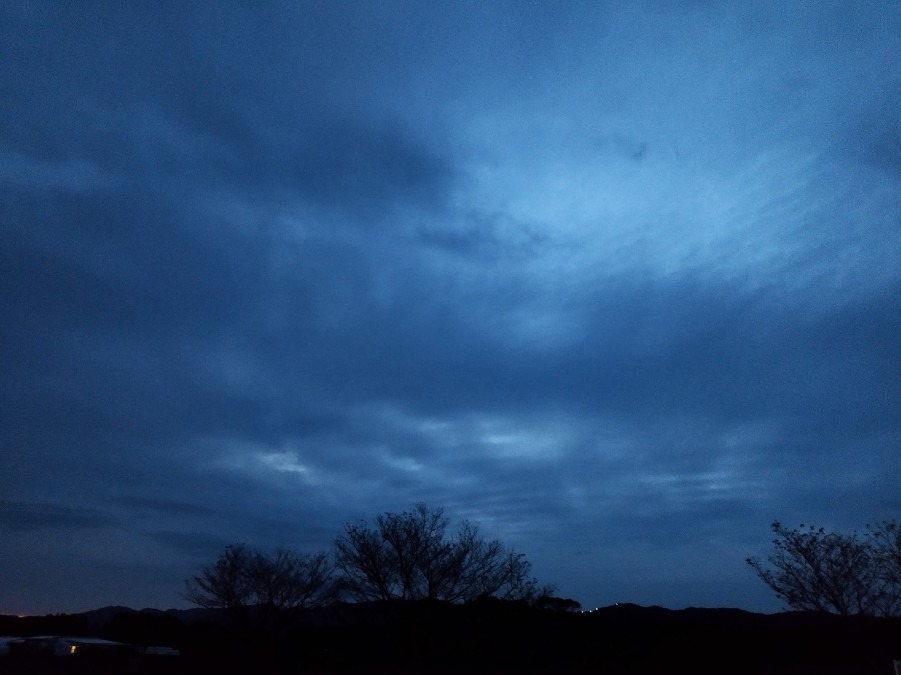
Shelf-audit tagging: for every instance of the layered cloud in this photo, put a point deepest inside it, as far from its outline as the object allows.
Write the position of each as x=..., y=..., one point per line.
x=618, y=283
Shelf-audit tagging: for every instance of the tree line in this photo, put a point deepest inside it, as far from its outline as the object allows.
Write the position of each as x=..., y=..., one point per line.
x=416, y=555
x=413, y=555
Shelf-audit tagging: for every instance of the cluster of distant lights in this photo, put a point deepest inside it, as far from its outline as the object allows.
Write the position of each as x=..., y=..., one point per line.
x=589, y=611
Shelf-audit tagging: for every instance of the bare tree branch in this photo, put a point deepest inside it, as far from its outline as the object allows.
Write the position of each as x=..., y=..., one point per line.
x=411, y=556
x=812, y=569
x=276, y=584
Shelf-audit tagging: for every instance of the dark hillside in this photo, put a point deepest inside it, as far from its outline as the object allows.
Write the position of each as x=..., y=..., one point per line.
x=506, y=637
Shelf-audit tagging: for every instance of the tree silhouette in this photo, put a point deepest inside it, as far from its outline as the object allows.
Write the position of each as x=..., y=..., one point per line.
x=557, y=604
x=847, y=574
x=288, y=580
x=274, y=584
x=225, y=584
x=885, y=539
x=412, y=556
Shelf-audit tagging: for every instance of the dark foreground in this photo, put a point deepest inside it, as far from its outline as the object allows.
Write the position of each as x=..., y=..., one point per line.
x=483, y=637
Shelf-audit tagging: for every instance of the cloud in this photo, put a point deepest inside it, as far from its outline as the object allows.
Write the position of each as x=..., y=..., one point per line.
x=617, y=283
x=30, y=516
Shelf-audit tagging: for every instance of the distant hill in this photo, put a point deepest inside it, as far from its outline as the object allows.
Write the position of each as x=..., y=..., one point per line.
x=103, y=615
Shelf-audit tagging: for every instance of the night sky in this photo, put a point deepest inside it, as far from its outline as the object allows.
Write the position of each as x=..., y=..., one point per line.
x=619, y=282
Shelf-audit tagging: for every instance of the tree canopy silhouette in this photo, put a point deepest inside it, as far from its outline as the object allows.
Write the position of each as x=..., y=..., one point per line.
x=413, y=556
x=847, y=574
x=276, y=583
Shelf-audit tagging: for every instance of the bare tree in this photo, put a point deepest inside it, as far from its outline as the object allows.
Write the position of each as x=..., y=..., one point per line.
x=277, y=583
x=469, y=566
x=225, y=584
x=812, y=569
x=412, y=556
x=288, y=580
x=363, y=560
x=885, y=538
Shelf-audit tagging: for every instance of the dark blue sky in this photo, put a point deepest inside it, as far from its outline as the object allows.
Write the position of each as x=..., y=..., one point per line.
x=619, y=282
